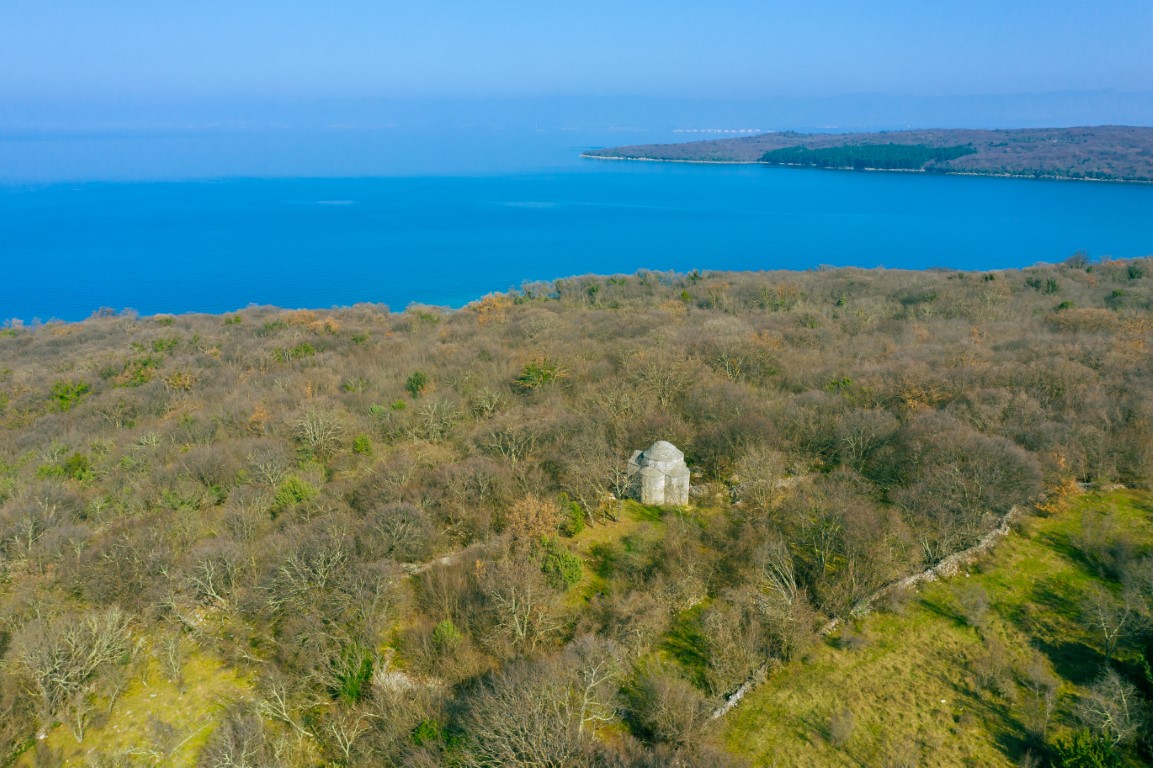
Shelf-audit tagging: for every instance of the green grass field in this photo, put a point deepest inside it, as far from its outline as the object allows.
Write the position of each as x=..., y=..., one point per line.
x=922, y=685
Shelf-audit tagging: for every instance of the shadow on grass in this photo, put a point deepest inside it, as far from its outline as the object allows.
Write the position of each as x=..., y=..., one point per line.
x=687, y=645
x=943, y=610
x=1072, y=659
x=861, y=756
x=982, y=703
x=996, y=715
x=1059, y=542
x=1016, y=744
x=855, y=746
x=1142, y=504
x=603, y=559
x=1059, y=596
x=1132, y=669
x=1056, y=630
x=815, y=729
x=642, y=512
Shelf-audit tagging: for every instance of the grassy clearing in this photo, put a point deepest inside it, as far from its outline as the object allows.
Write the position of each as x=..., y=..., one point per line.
x=600, y=546
x=937, y=680
x=155, y=721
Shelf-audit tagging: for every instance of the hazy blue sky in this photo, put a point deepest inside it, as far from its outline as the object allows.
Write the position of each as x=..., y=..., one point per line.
x=130, y=49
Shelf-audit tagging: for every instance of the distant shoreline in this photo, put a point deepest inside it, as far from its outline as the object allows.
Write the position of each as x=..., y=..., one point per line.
x=1092, y=153
x=587, y=156
x=922, y=171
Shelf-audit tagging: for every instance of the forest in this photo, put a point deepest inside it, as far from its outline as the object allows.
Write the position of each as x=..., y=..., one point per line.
x=1098, y=153
x=888, y=157
x=366, y=537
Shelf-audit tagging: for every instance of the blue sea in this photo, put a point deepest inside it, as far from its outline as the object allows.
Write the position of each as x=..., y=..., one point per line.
x=444, y=229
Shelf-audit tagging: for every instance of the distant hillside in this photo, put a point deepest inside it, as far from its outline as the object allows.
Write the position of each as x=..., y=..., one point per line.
x=1102, y=153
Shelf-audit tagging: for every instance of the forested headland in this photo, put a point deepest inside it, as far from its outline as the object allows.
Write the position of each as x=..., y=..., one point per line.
x=361, y=537
x=1099, y=153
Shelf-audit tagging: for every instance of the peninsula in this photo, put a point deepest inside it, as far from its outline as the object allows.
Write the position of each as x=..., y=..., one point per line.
x=1100, y=153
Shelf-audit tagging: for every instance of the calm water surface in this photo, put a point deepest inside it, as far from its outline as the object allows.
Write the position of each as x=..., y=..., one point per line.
x=214, y=246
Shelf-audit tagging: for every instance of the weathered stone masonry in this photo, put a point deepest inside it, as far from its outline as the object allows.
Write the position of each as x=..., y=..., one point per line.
x=658, y=475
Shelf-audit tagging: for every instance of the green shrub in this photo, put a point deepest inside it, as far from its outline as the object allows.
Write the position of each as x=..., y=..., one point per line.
x=353, y=673
x=47, y=471
x=134, y=373
x=362, y=444
x=293, y=490
x=426, y=732
x=540, y=372
x=68, y=393
x=562, y=568
x=354, y=384
x=446, y=637
x=841, y=384
x=416, y=384
x=78, y=467
x=288, y=354
x=183, y=497
x=573, y=518
x=1084, y=750
x=233, y=320
x=1115, y=299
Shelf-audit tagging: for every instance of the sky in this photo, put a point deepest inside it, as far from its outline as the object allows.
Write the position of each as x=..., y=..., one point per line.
x=136, y=89
x=133, y=50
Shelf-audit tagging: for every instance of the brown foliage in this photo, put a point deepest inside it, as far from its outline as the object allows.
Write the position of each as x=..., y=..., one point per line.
x=849, y=424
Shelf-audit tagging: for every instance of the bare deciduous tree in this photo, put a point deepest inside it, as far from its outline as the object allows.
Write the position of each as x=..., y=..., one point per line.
x=665, y=376
x=598, y=667
x=237, y=742
x=668, y=707
x=1109, y=616
x=1112, y=708
x=511, y=443
x=522, y=609
x=783, y=605
x=342, y=729
x=319, y=432
x=525, y=715
x=59, y=658
x=1041, y=687
x=759, y=480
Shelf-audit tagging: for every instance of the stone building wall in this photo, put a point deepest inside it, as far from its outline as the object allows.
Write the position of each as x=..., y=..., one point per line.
x=658, y=475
